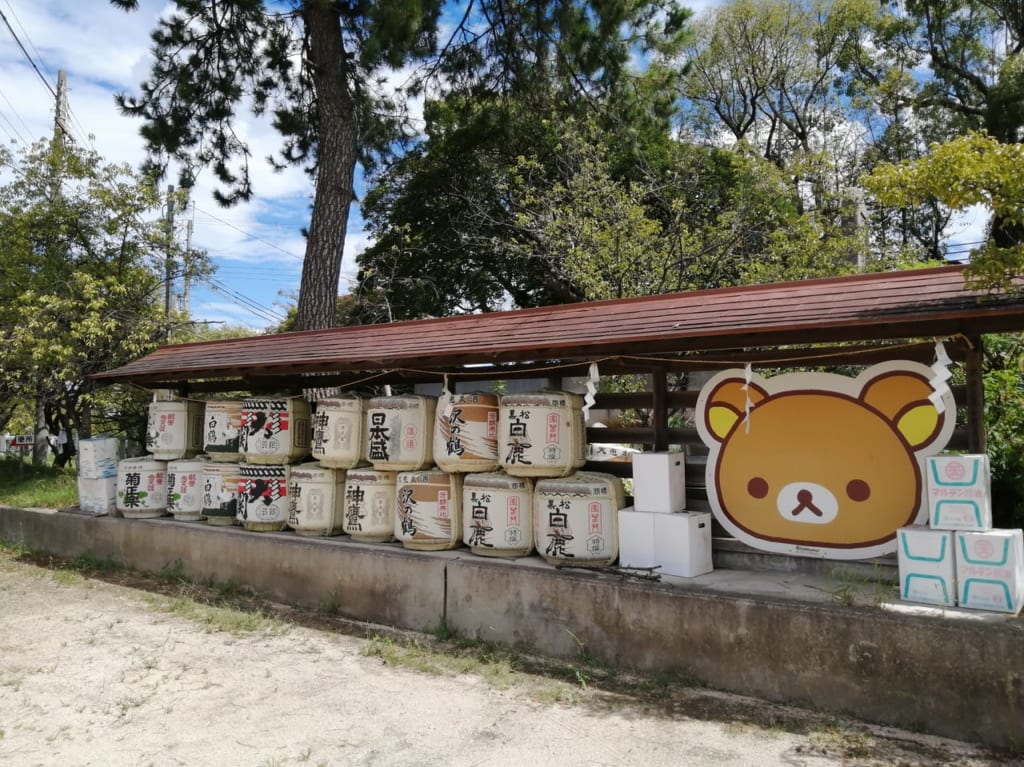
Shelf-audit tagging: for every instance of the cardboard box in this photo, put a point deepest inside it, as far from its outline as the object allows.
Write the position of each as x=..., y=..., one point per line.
x=927, y=565
x=636, y=538
x=682, y=543
x=97, y=495
x=97, y=457
x=959, y=492
x=990, y=570
x=659, y=482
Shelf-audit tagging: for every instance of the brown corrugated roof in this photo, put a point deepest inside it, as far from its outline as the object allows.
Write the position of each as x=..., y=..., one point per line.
x=922, y=303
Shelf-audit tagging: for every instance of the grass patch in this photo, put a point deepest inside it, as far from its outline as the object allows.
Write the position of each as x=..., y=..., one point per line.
x=26, y=486
x=217, y=618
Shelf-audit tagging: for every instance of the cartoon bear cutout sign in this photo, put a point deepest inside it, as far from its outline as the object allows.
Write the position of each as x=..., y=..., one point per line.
x=824, y=465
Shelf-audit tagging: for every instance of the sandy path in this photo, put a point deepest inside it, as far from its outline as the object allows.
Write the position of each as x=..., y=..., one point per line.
x=93, y=673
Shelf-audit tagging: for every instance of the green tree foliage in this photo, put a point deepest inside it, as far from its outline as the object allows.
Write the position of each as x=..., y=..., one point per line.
x=316, y=69
x=510, y=76
x=78, y=287
x=974, y=169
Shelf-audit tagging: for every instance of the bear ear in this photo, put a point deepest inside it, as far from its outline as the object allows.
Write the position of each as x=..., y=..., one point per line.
x=902, y=397
x=727, y=403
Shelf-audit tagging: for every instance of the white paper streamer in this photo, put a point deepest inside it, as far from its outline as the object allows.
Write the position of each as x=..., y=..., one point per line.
x=445, y=391
x=748, y=373
x=588, y=398
x=942, y=374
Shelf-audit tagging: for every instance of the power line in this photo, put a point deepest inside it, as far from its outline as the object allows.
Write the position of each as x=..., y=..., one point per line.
x=245, y=302
x=26, y=54
x=248, y=234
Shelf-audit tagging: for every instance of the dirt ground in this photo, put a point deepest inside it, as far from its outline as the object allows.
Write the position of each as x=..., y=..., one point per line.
x=101, y=667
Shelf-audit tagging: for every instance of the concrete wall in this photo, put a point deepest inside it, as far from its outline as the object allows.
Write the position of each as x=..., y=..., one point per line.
x=957, y=674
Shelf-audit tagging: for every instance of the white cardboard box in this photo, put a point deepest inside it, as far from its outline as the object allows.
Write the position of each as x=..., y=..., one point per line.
x=927, y=565
x=97, y=457
x=959, y=492
x=97, y=495
x=682, y=543
x=990, y=570
x=659, y=482
x=636, y=538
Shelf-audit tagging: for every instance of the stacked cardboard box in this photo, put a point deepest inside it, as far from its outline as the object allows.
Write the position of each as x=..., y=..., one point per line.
x=97, y=474
x=958, y=558
x=657, y=531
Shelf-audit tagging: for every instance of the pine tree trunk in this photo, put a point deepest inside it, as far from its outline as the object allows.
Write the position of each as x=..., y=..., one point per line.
x=338, y=132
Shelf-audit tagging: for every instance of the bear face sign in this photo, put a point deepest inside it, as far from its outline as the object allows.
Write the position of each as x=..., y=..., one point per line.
x=818, y=464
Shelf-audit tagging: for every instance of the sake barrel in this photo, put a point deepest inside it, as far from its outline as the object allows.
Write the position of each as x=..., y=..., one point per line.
x=370, y=505
x=185, y=489
x=541, y=434
x=174, y=429
x=400, y=432
x=497, y=512
x=275, y=430
x=428, y=506
x=575, y=518
x=97, y=457
x=263, y=503
x=316, y=496
x=220, y=493
x=466, y=432
x=141, y=487
x=222, y=425
x=339, y=431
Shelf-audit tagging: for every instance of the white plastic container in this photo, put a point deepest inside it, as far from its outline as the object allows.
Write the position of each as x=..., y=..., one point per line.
x=185, y=489
x=142, y=488
x=497, y=512
x=370, y=505
x=400, y=432
x=97, y=457
x=428, y=506
x=316, y=499
x=576, y=518
x=275, y=430
x=263, y=502
x=466, y=432
x=174, y=429
x=541, y=434
x=220, y=493
x=339, y=431
x=222, y=428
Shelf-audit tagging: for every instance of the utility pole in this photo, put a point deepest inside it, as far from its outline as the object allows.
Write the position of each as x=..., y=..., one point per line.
x=169, y=262
x=186, y=278
x=60, y=120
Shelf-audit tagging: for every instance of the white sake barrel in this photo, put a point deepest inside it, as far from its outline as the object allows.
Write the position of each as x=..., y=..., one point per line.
x=497, y=513
x=370, y=505
x=316, y=496
x=263, y=503
x=400, y=432
x=541, y=434
x=428, y=506
x=339, y=431
x=576, y=518
x=222, y=426
x=185, y=489
x=220, y=493
x=141, y=488
x=275, y=430
x=174, y=429
x=466, y=432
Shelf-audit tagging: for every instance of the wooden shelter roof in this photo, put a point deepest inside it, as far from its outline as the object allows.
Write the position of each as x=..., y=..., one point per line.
x=684, y=327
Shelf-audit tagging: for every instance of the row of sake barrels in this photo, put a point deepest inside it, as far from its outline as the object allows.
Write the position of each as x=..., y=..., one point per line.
x=536, y=434
x=569, y=519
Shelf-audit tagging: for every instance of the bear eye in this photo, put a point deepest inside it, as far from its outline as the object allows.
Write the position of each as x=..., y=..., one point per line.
x=858, y=490
x=758, y=487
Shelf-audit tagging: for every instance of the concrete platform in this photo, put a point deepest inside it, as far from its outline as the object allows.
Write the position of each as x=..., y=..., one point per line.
x=833, y=642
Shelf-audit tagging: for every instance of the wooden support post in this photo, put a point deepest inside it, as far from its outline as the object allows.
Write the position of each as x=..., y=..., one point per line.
x=976, y=438
x=659, y=387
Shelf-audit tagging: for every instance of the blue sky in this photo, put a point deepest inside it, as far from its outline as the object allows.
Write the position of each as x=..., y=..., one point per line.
x=257, y=247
